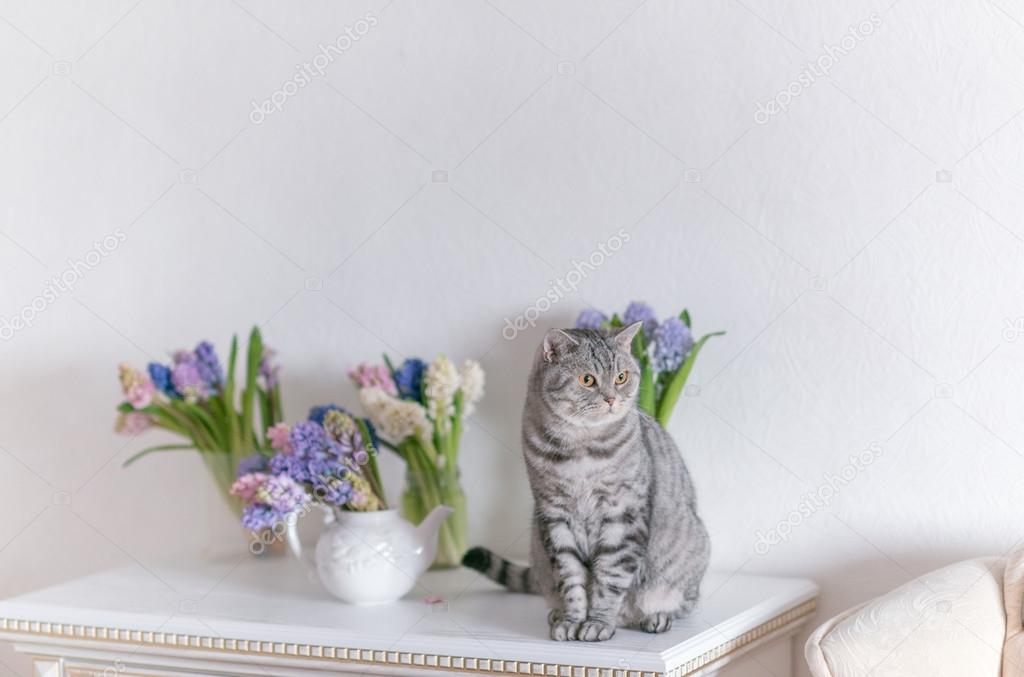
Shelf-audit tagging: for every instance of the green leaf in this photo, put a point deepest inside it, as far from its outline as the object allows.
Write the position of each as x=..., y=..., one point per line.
x=390, y=366
x=204, y=422
x=151, y=450
x=374, y=471
x=252, y=368
x=678, y=381
x=266, y=415
x=616, y=321
x=191, y=428
x=166, y=420
x=234, y=435
x=219, y=414
x=232, y=358
x=685, y=317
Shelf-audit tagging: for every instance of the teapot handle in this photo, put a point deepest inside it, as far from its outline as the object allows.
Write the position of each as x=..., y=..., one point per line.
x=291, y=536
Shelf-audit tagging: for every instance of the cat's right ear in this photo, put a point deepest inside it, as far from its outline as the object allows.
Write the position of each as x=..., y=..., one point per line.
x=624, y=337
x=557, y=343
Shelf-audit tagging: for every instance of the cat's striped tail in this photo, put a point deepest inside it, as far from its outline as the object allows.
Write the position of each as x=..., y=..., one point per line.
x=515, y=577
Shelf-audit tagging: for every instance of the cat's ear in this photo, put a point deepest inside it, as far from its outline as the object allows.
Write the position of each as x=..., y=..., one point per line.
x=624, y=337
x=557, y=343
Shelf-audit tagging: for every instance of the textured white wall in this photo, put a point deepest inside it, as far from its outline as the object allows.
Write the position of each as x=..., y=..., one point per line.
x=862, y=248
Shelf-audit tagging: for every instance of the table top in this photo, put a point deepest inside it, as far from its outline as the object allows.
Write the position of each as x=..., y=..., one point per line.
x=272, y=606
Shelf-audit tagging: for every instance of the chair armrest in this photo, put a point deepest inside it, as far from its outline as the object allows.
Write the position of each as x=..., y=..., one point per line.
x=946, y=623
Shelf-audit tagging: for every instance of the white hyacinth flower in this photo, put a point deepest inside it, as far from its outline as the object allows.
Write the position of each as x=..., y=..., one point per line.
x=471, y=378
x=440, y=384
x=394, y=419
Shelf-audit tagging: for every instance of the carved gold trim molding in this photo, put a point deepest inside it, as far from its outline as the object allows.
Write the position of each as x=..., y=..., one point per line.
x=469, y=665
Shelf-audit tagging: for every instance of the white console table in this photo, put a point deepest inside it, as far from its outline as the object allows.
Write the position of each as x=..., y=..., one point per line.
x=264, y=618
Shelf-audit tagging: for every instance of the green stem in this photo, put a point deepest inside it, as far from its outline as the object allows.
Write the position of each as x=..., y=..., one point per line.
x=428, y=487
x=223, y=477
x=456, y=434
x=424, y=473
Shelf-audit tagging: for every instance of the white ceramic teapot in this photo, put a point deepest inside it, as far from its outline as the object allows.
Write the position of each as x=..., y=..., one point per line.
x=371, y=557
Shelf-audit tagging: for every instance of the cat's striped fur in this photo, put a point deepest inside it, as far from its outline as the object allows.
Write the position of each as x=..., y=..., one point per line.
x=616, y=536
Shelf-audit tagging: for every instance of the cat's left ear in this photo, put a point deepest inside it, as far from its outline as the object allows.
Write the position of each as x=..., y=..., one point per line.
x=624, y=337
x=557, y=343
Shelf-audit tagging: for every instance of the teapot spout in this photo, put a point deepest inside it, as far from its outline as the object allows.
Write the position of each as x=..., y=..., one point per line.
x=427, y=530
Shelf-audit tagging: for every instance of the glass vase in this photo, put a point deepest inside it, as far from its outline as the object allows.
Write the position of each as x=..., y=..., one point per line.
x=425, y=490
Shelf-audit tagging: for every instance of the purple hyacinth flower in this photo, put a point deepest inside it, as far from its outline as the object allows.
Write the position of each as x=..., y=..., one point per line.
x=188, y=381
x=313, y=454
x=638, y=311
x=333, y=490
x=284, y=494
x=208, y=364
x=179, y=356
x=269, y=369
x=308, y=437
x=287, y=464
x=253, y=463
x=323, y=465
x=259, y=516
x=590, y=318
x=673, y=342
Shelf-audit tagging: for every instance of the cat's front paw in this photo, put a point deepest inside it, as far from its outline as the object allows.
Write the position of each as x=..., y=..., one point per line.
x=659, y=622
x=564, y=631
x=562, y=628
x=595, y=631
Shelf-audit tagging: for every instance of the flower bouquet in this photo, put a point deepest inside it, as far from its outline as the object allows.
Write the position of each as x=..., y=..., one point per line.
x=365, y=553
x=328, y=459
x=193, y=398
x=666, y=352
x=418, y=411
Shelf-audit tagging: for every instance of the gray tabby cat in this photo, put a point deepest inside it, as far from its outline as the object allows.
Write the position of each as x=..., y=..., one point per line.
x=616, y=536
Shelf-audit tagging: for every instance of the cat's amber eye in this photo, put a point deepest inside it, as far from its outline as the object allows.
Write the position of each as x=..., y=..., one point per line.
x=588, y=380
x=622, y=377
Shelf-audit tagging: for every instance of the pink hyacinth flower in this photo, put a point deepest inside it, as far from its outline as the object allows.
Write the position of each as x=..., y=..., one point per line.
x=279, y=436
x=141, y=395
x=368, y=375
x=247, y=486
x=132, y=423
x=138, y=389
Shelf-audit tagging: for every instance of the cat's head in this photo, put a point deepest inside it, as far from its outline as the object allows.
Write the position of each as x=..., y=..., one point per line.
x=589, y=377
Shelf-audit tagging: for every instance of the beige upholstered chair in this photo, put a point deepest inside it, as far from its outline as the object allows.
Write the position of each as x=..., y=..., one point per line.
x=960, y=621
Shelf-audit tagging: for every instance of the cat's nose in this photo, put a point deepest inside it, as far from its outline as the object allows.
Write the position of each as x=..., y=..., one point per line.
x=610, y=400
